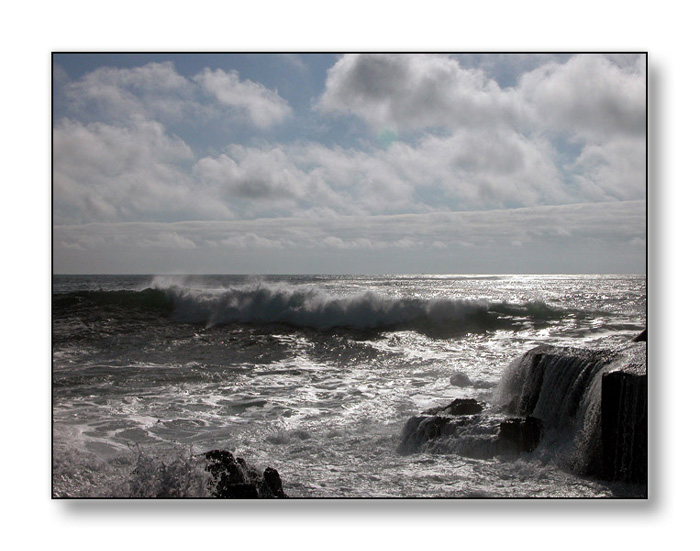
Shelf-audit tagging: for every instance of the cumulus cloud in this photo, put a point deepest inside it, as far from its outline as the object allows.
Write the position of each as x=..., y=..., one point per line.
x=103, y=172
x=254, y=173
x=588, y=95
x=264, y=107
x=448, y=139
x=470, y=173
x=506, y=69
x=305, y=177
x=615, y=170
x=157, y=91
x=498, y=146
x=154, y=90
x=415, y=91
x=138, y=170
x=507, y=169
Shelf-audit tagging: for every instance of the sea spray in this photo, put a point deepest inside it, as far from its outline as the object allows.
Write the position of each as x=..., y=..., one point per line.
x=562, y=386
x=581, y=408
x=128, y=372
x=310, y=306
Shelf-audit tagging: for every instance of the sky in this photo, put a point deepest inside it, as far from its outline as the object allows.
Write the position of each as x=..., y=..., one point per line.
x=358, y=163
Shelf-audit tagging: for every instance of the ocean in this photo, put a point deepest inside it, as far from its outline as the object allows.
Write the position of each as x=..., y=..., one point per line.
x=316, y=377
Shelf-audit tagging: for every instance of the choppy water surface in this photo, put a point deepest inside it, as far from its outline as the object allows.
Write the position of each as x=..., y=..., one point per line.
x=314, y=376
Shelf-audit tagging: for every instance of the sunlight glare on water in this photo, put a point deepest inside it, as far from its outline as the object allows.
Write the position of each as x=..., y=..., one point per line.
x=321, y=402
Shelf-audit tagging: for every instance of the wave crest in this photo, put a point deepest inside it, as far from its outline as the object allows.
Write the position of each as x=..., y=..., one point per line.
x=309, y=306
x=304, y=305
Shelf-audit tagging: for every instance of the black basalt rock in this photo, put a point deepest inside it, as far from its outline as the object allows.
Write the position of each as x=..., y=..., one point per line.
x=233, y=478
x=642, y=337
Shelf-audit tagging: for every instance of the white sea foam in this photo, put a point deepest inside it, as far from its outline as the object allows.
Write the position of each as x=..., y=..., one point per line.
x=325, y=408
x=312, y=306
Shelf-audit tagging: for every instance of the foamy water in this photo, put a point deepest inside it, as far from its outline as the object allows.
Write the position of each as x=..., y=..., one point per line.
x=314, y=376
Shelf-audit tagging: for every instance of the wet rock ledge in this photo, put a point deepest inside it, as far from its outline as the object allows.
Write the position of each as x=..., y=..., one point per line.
x=589, y=404
x=464, y=427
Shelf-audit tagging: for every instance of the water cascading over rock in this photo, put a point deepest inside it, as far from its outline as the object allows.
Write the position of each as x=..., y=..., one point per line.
x=593, y=404
x=585, y=407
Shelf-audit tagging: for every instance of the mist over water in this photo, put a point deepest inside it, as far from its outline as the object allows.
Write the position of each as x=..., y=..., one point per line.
x=312, y=375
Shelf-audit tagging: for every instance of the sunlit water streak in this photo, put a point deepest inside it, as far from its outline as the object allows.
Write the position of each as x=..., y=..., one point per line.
x=313, y=375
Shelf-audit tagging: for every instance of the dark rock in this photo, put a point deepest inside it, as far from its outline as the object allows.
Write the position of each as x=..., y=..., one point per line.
x=232, y=477
x=225, y=471
x=624, y=426
x=545, y=391
x=553, y=383
x=240, y=491
x=421, y=429
x=467, y=435
x=520, y=435
x=476, y=436
x=274, y=482
x=642, y=337
x=460, y=406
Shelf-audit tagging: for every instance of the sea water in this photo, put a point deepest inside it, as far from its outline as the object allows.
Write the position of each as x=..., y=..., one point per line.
x=314, y=376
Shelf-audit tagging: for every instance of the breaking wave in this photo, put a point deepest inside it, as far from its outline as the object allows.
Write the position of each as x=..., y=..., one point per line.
x=312, y=307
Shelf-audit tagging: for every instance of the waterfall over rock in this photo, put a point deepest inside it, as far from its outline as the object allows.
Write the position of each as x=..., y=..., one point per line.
x=586, y=409
x=593, y=402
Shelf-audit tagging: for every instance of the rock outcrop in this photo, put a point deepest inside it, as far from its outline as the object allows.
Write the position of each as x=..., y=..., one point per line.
x=623, y=426
x=523, y=435
x=460, y=406
x=460, y=435
x=588, y=405
x=232, y=477
x=596, y=396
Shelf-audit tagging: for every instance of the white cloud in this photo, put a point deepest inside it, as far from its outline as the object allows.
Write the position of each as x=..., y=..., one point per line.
x=589, y=96
x=478, y=171
x=506, y=69
x=621, y=221
x=156, y=91
x=264, y=107
x=108, y=173
x=468, y=145
x=595, y=235
x=415, y=91
x=502, y=146
x=469, y=172
x=112, y=173
x=615, y=170
x=254, y=173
